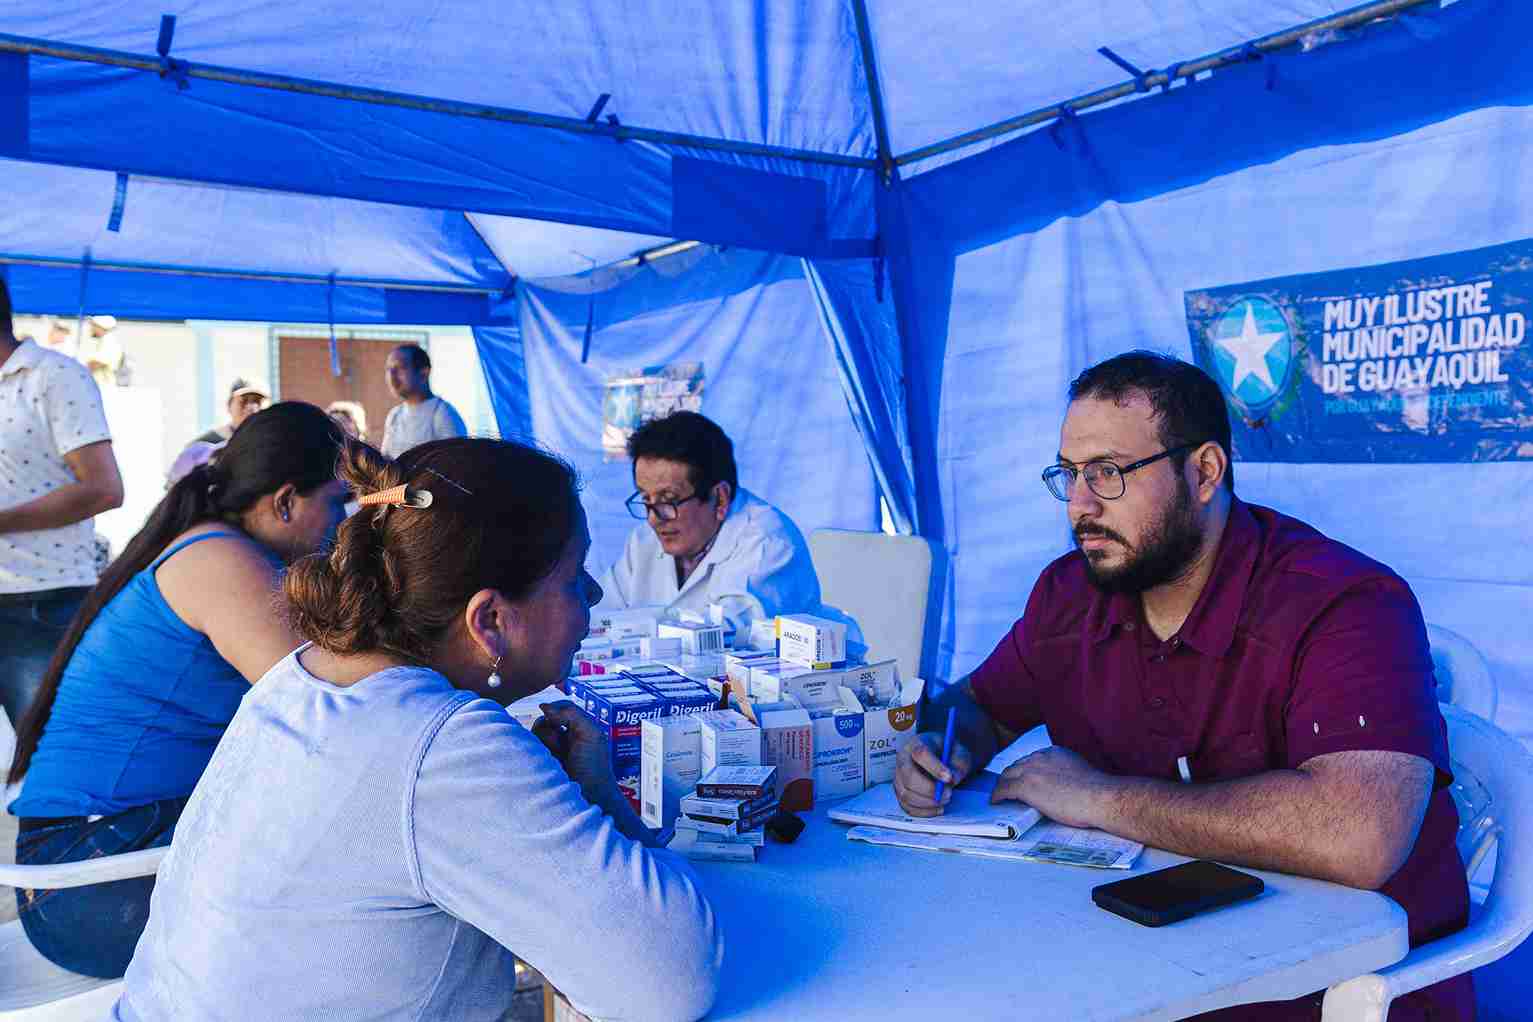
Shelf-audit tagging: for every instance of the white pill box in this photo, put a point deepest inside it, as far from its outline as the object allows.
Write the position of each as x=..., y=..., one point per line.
x=671, y=750
x=811, y=641
x=787, y=743
x=812, y=689
x=696, y=639
x=839, y=764
x=630, y=623
x=889, y=728
x=728, y=739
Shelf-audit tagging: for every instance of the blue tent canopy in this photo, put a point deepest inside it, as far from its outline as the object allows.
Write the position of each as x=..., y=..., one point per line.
x=947, y=238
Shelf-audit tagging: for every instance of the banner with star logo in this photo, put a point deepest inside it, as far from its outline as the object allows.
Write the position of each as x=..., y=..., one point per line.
x=1425, y=360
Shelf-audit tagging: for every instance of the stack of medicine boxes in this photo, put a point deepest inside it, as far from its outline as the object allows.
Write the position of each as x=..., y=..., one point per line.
x=678, y=753
x=620, y=703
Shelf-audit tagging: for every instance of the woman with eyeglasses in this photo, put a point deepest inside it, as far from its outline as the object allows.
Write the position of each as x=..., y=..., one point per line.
x=705, y=540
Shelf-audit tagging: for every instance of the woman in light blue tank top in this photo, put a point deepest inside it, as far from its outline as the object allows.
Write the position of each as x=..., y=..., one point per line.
x=153, y=668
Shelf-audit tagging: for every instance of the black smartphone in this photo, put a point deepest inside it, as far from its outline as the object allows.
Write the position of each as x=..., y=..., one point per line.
x=1176, y=892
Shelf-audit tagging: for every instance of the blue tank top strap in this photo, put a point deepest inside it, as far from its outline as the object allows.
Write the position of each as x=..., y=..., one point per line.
x=172, y=551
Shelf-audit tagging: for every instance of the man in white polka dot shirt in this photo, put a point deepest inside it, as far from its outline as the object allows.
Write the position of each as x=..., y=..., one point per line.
x=57, y=472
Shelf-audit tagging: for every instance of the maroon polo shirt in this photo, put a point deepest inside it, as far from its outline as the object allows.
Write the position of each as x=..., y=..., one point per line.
x=1298, y=646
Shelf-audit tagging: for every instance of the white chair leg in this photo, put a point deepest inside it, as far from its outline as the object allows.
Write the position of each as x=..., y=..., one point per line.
x=1364, y=999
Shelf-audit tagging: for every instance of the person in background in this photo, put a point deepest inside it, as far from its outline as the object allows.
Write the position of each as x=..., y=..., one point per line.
x=375, y=835
x=246, y=397
x=1218, y=679
x=350, y=416
x=153, y=667
x=420, y=416
x=101, y=350
x=705, y=540
x=57, y=471
x=59, y=336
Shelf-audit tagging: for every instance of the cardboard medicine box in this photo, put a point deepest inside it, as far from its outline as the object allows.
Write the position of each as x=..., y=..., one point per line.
x=671, y=765
x=787, y=743
x=839, y=748
x=729, y=739
x=812, y=641
x=887, y=730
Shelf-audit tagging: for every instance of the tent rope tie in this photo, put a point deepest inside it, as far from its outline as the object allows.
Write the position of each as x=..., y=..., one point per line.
x=1141, y=78
x=601, y=103
x=119, y=205
x=335, y=348
x=170, y=68
x=1067, y=115
x=1251, y=53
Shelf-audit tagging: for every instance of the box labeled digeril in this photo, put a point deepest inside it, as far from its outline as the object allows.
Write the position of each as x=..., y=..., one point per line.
x=620, y=718
x=813, y=641
x=729, y=739
x=671, y=754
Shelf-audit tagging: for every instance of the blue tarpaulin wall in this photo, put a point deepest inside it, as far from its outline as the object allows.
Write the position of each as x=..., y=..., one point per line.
x=953, y=296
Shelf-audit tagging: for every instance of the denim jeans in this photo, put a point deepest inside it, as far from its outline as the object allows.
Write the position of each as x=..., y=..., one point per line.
x=31, y=626
x=94, y=929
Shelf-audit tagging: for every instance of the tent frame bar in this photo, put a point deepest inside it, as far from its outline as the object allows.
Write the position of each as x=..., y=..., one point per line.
x=270, y=278
x=379, y=97
x=1188, y=69
x=875, y=92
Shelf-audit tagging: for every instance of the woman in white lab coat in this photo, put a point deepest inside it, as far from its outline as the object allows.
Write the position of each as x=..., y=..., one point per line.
x=705, y=540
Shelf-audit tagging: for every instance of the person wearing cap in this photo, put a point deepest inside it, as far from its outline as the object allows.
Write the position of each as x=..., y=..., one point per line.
x=420, y=415
x=705, y=540
x=246, y=397
x=100, y=350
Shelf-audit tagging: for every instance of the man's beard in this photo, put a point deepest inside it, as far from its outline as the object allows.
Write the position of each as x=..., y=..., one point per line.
x=1168, y=549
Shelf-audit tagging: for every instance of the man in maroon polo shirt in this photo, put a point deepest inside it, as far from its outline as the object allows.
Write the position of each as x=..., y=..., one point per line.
x=1219, y=680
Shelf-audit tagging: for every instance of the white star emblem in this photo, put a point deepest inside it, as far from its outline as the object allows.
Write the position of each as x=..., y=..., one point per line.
x=1250, y=352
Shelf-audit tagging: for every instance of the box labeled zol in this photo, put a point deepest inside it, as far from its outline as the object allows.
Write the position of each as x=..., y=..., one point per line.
x=671, y=754
x=888, y=729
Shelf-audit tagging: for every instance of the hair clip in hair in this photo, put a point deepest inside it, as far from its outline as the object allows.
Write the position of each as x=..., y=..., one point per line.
x=397, y=496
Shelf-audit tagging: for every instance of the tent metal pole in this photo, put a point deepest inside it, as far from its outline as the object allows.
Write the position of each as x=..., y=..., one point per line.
x=270, y=278
x=380, y=97
x=875, y=93
x=1188, y=69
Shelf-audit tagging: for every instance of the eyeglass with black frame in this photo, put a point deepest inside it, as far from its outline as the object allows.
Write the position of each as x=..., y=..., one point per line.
x=664, y=510
x=1102, y=476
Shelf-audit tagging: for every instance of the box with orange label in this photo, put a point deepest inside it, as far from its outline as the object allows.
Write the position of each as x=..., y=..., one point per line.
x=887, y=729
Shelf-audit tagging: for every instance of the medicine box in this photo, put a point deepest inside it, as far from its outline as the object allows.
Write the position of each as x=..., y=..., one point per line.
x=696, y=639
x=887, y=730
x=737, y=667
x=812, y=641
x=729, y=739
x=787, y=743
x=629, y=623
x=671, y=753
x=621, y=719
x=839, y=763
x=812, y=689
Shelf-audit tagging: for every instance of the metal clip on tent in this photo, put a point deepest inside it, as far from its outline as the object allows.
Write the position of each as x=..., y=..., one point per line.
x=170, y=68
x=1067, y=115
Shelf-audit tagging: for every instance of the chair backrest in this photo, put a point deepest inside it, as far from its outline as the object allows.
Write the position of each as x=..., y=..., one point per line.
x=1493, y=786
x=884, y=583
x=1463, y=675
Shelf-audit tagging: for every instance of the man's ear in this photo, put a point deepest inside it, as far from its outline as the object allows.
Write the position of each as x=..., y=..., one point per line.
x=1211, y=466
x=723, y=494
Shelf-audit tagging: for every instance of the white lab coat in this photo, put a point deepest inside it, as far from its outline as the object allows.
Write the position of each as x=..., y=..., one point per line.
x=758, y=566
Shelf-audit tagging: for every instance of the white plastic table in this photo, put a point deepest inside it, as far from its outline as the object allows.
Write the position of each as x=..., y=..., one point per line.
x=834, y=929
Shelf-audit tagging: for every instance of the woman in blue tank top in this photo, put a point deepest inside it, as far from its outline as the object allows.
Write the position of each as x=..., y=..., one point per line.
x=153, y=668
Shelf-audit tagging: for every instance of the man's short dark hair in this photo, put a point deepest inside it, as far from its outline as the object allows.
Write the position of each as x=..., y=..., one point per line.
x=693, y=440
x=6, y=326
x=1188, y=405
x=418, y=358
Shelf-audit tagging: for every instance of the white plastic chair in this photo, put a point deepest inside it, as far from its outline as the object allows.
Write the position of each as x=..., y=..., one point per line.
x=1463, y=675
x=1493, y=787
x=33, y=988
x=883, y=582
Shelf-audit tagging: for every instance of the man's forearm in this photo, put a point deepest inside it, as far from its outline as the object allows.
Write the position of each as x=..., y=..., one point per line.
x=58, y=508
x=972, y=726
x=1276, y=820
